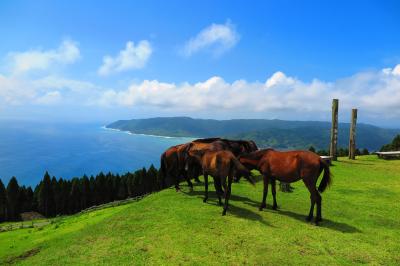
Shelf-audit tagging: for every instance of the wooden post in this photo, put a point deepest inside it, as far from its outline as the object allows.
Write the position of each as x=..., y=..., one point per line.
x=352, y=140
x=334, y=129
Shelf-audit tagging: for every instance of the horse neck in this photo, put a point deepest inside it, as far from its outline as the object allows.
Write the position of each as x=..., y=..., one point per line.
x=250, y=161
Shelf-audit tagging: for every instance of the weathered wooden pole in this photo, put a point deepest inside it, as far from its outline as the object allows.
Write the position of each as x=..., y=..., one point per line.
x=352, y=140
x=334, y=129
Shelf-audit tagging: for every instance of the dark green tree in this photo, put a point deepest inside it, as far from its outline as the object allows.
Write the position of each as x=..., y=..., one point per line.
x=3, y=202
x=57, y=195
x=152, y=175
x=46, y=197
x=85, y=193
x=75, y=196
x=12, y=199
x=312, y=149
x=365, y=152
x=123, y=189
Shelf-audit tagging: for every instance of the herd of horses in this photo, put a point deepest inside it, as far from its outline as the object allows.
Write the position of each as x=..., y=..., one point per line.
x=228, y=160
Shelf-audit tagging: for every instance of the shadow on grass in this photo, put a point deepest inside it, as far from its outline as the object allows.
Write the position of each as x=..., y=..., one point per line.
x=233, y=209
x=337, y=226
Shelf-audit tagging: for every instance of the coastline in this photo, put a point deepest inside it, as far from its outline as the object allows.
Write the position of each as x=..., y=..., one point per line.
x=147, y=135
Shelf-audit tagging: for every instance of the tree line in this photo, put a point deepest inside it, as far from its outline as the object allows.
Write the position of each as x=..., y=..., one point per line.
x=341, y=152
x=393, y=146
x=52, y=196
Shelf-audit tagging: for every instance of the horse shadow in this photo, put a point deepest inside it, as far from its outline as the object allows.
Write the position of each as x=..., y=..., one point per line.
x=232, y=209
x=326, y=223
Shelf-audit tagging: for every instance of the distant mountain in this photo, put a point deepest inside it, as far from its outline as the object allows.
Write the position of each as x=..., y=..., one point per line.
x=275, y=133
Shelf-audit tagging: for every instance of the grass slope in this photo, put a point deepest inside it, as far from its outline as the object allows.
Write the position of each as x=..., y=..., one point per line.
x=361, y=225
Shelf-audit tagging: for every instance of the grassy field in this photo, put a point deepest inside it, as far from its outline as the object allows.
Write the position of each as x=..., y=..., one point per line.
x=361, y=224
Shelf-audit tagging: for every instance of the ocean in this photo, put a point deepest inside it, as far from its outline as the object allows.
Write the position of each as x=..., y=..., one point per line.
x=67, y=150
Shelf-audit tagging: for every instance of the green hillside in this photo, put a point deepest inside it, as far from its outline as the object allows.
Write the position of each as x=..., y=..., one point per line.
x=361, y=225
x=267, y=133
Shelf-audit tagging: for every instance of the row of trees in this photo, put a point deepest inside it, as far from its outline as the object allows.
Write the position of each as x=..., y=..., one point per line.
x=341, y=152
x=393, y=146
x=53, y=196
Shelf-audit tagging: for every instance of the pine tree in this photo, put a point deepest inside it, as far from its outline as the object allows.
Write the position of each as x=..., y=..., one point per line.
x=22, y=199
x=12, y=199
x=46, y=197
x=122, y=189
x=152, y=175
x=100, y=190
x=75, y=196
x=29, y=199
x=85, y=193
x=3, y=202
x=55, y=185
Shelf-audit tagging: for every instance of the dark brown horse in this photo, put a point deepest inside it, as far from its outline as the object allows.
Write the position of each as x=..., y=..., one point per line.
x=172, y=166
x=290, y=167
x=221, y=165
x=176, y=165
x=237, y=147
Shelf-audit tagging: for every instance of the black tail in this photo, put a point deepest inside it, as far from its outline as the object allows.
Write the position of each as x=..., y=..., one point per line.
x=326, y=179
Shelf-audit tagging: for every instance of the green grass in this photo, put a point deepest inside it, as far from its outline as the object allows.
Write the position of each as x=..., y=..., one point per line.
x=361, y=211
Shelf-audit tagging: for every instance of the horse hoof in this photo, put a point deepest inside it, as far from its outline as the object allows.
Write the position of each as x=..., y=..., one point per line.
x=191, y=189
x=223, y=212
x=178, y=190
x=275, y=207
x=308, y=218
x=204, y=200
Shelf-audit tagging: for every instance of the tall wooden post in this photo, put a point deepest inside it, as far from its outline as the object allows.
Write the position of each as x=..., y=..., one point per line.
x=352, y=140
x=334, y=129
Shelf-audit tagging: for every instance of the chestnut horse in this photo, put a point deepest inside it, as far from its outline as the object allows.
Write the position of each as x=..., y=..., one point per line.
x=237, y=147
x=220, y=165
x=172, y=166
x=289, y=167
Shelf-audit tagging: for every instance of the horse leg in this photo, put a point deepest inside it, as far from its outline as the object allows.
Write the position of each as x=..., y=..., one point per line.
x=218, y=190
x=273, y=187
x=265, y=192
x=205, y=188
x=319, y=203
x=313, y=197
x=190, y=184
x=227, y=193
x=177, y=188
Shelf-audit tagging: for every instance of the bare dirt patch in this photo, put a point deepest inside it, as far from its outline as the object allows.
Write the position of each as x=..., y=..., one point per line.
x=25, y=255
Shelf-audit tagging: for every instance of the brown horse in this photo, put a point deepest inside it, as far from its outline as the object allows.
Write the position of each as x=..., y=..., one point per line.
x=177, y=165
x=172, y=166
x=220, y=165
x=289, y=167
x=237, y=147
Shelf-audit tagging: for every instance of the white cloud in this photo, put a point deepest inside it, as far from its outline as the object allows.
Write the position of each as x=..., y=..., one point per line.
x=47, y=90
x=51, y=97
x=132, y=57
x=375, y=93
x=21, y=62
x=219, y=38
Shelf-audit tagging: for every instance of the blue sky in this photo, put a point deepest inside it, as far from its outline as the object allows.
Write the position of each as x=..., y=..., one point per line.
x=223, y=59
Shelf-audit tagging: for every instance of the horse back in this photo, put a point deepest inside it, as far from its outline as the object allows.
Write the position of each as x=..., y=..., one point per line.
x=290, y=163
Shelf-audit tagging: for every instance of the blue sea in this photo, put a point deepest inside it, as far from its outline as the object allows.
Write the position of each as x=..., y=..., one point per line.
x=67, y=150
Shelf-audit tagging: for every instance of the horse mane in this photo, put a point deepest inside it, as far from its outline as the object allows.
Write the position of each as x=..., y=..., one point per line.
x=256, y=155
x=206, y=140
